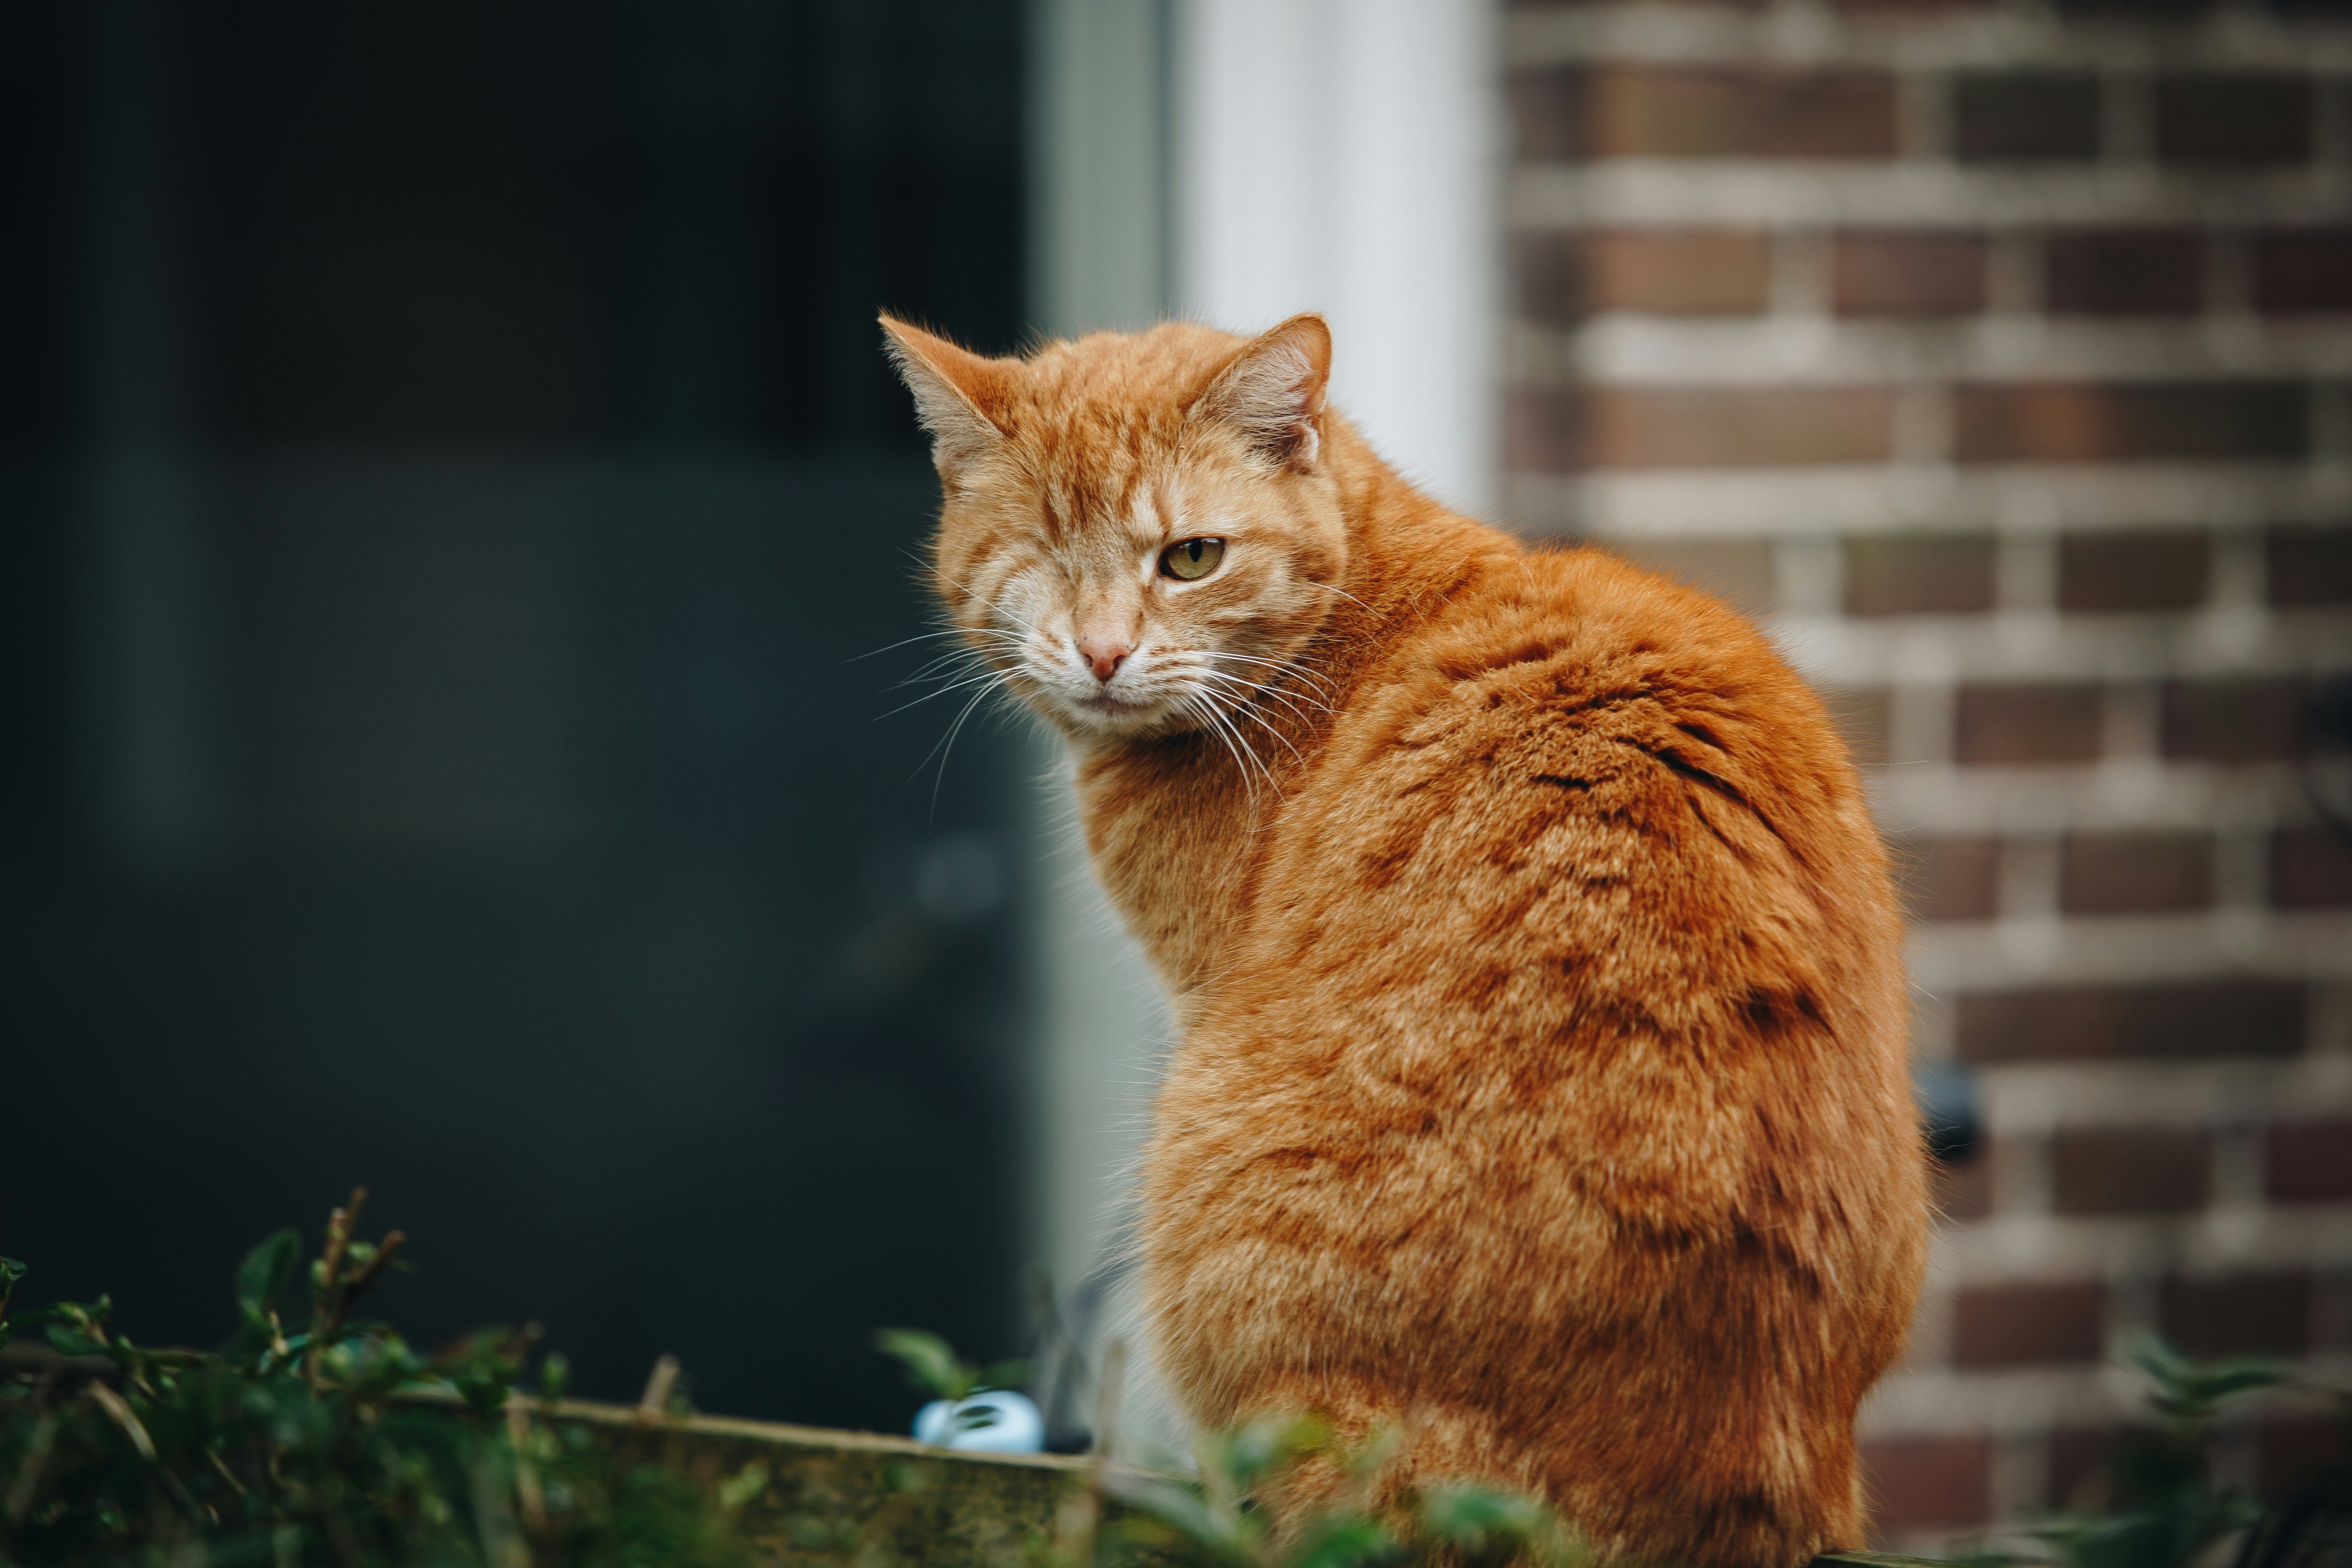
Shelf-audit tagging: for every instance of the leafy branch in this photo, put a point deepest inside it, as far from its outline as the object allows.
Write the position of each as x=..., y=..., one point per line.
x=324, y=1439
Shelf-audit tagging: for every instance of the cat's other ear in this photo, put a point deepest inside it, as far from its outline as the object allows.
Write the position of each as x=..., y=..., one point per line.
x=1273, y=391
x=961, y=397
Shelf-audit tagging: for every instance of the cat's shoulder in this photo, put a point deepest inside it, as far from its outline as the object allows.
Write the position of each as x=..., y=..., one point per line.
x=1544, y=623
x=1554, y=651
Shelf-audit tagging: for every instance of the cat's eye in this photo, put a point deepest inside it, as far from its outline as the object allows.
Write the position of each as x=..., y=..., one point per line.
x=1188, y=559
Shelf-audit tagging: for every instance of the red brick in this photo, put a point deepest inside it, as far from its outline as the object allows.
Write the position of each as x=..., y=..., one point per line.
x=2018, y=1325
x=2233, y=119
x=2078, y=422
x=2309, y=1162
x=2207, y=1018
x=1684, y=426
x=2292, y=1449
x=1547, y=281
x=1892, y=272
x=2124, y=272
x=2234, y=720
x=2258, y=1314
x=2151, y=571
x=2311, y=868
x=1544, y=109
x=2308, y=565
x=2024, y=117
x=1925, y=1483
x=1999, y=725
x=1677, y=111
x=2128, y=1170
x=1541, y=431
x=2303, y=270
x=2104, y=874
x=1562, y=278
x=1917, y=575
x=1950, y=879
x=1864, y=717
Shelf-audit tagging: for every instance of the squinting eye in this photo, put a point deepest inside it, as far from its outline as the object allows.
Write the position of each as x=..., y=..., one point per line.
x=1191, y=558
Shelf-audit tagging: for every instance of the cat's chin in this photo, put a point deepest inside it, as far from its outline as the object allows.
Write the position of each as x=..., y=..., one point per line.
x=1101, y=716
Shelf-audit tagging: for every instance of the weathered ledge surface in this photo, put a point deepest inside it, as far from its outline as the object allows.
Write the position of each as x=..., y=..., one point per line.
x=863, y=1495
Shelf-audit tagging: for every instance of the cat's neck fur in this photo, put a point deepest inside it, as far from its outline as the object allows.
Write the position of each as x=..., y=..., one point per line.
x=1407, y=556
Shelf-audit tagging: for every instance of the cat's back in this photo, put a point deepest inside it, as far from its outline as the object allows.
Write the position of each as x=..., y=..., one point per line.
x=1570, y=740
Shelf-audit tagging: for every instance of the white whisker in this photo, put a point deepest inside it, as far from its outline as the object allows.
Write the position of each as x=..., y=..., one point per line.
x=1259, y=692
x=949, y=660
x=1341, y=592
x=1227, y=728
x=1259, y=688
x=1286, y=666
x=1193, y=703
x=986, y=677
x=947, y=744
x=928, y=636
x=1252, y=714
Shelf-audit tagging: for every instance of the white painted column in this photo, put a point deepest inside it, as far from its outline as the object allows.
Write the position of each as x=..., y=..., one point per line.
x=1344, y=156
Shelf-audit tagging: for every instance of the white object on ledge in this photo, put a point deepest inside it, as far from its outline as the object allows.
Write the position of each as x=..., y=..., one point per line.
x=1013, y=1427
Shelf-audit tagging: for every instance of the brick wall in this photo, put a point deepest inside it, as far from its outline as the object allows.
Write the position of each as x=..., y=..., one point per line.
x=2003, y=359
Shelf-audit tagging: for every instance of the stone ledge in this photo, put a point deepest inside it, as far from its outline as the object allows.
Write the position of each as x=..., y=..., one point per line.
x=850, y=1492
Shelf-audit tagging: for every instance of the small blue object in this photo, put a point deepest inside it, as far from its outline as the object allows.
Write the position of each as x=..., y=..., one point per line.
x=997, y=1422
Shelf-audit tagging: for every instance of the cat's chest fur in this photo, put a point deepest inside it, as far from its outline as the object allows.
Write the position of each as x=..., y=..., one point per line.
x=1179, y=844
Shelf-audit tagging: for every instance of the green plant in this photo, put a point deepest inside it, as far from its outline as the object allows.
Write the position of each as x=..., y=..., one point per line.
x=933, y=1368
x=1220, y=1518
x=2154, y=1503
x=311, y=1436
x=2163, y=1507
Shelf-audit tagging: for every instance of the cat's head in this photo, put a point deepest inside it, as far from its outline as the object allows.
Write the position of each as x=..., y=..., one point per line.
x=1139, y=530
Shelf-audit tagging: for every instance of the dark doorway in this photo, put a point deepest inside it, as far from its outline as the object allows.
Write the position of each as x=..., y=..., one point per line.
x=449, y=474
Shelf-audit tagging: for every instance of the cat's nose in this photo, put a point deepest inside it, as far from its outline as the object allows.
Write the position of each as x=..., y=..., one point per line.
x=1105, y=655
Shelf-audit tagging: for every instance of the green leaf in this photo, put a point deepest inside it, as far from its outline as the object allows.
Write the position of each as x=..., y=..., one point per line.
x=743, y=1486
x=1012, y=1374
x=2219, y=1380
x=1177, y=1506
x=266, y=1269
x=1473, y=1518
x=1267, y=1444
x=930, y=1364
x=1478, y=1522
x=31, y=1318
x=2157, y=1359
x=71, y=1341
x=1345, y=1543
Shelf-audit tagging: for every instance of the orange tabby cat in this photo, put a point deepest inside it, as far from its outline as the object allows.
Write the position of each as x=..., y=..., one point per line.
x=1540, y=1088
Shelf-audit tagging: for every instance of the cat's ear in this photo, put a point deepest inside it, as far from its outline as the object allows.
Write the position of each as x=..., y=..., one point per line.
x=960, y=396
x=1273, y=391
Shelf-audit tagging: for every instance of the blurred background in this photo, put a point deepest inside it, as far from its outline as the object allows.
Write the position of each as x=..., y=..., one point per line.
x=451, y=479
x=449, y=474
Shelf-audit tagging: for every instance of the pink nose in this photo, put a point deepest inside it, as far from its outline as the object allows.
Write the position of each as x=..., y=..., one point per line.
x=1104, y=655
